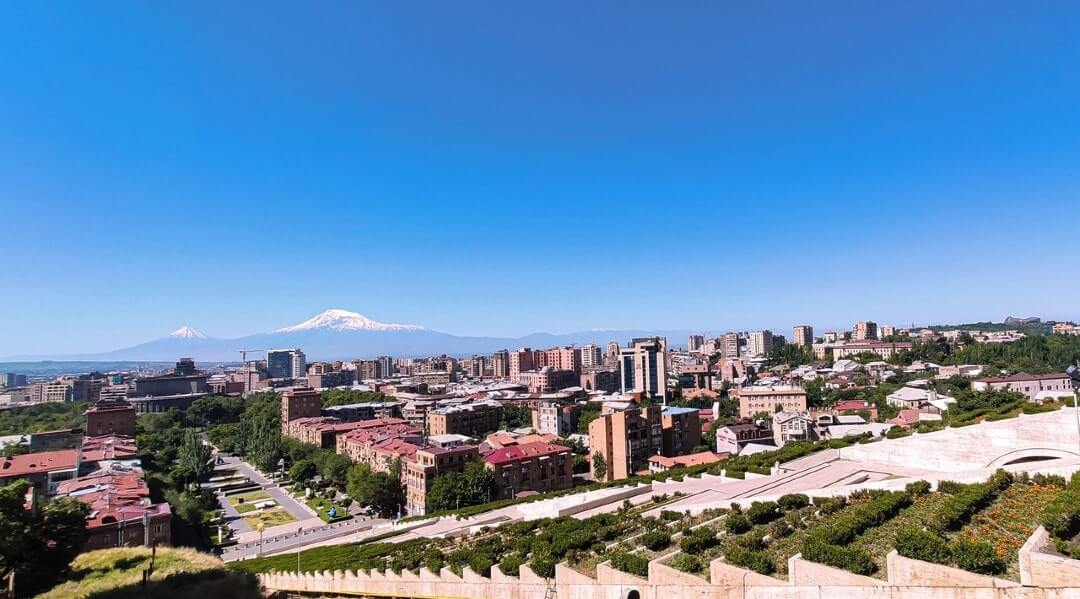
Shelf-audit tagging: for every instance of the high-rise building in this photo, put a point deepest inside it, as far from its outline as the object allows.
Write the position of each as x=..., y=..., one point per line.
x=522, y=360
x=864, y=330
x=644, y=367
x=500, y=364
x=626, y=439
x=299, y=403
x=761, y=342
x=285, y=363
x=591, y=356
x=559, y=358
x=612, y=351
x=729, y=345
x=695, y=342
x=386, y=365
x=803, y=335
x=886, y=331
x=184, y=367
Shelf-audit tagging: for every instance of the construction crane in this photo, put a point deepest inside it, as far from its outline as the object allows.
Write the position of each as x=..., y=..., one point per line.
x=243, y=359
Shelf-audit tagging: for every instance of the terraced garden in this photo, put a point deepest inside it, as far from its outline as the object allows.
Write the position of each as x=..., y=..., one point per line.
x=976, y=527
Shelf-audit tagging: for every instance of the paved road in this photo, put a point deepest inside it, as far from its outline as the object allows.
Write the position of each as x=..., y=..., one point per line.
x=290, y=541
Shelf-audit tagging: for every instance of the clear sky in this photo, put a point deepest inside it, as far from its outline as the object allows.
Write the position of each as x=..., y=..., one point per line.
x=506, y=167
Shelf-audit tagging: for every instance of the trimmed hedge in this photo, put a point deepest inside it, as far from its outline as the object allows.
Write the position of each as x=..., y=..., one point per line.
x=631, y=563
x=1061, y=517
x=698, y=541
x=763, y=512
x=977, y=556
x=851, y=522
x=656, y=540
x=969, y=500
x=846, y=558
x=757, y=561
x=687, y=563
x=916, y=543
x=793, y=501
x=737, y=524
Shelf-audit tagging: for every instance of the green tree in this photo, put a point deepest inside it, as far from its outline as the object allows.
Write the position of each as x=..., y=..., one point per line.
x=215, y=409
x=38, y=545
x=226, y=437
x=473, y=486
x=599, y=465
x=377, y=490
x=303, y=471
x=516, y=417
x=194, y=459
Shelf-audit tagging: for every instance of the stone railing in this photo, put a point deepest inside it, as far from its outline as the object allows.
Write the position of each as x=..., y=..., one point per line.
x=1043, y=576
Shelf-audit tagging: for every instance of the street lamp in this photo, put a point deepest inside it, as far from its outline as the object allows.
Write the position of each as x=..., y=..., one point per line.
x=260, y=528
x=298, y=531
x=1074, y=376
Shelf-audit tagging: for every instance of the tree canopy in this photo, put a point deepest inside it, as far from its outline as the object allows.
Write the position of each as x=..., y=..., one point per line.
x=38, y=544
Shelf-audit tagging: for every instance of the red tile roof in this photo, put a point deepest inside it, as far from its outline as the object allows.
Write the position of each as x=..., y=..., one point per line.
x=109, y=447
x=35, y=463
x=514, y=453
x=117, y=494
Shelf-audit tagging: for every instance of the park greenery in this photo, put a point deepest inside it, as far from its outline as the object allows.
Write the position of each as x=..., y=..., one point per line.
x=38, y=544
x=344, y=397
x=473, y=486
x=50, y=416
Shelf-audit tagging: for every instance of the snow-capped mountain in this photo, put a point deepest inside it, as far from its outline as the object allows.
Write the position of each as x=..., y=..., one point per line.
x=186, y=332
x=341, y=334
x=342, y=320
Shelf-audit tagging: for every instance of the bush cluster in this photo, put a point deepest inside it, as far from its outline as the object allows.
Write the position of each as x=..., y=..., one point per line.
x=847, y=558
x=859, y=517
x=917, y=543
x=967, y=500
x=698, y=541
x=687, y=563
x=743, y=557
x=656, y=540
x=793, y=501
x=977, y=556
x=737, y=524
x=763, y=512
x=1061, y=517
x=631, y=563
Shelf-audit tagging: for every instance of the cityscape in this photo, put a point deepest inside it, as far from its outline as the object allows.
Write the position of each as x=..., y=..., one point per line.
x=508, y=301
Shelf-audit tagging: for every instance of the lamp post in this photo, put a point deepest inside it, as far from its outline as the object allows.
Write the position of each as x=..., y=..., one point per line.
x=260, y=528
x=298, y=531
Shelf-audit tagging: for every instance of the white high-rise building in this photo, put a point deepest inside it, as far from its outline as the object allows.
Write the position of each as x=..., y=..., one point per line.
x=285, y=364
x=591, y=356
x=643, y=366
x=761, y=342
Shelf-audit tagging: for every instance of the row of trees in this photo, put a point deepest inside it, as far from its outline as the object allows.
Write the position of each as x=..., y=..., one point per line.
x=38, y=544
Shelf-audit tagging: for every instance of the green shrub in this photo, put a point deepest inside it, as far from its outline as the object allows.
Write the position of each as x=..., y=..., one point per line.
x=543, y=566
x=737, y=524
x=859, y=517
x=1061, y=517
x=669, y=515
x=656, y=540
x=793, y=501
x=1049, y=479
x=829, y=505
x=511, y=564
x=780, y=529
x=698, y=541
x=687, y=563
x=481, y=564
x=847, y=558
x=968, y=500
x=977, y=556
x=763, y=512
x=916, y=543
x=752, y=560
x=918, y=488
x=949, y=486
x=631, y=563
x=750, y=542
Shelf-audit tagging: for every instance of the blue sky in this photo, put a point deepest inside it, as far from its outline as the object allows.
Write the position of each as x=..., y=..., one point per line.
x=503, y=168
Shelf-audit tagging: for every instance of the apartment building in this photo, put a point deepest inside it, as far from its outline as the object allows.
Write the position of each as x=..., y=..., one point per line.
x=695, y=342
x=681, y=430
x=792, y=426
x=1033, y=386
x=600, y=379
x=626, y=439
x=769, y=399
x=732, y=438
x=644, y=367
x=803, y=335
x=472, y=419
x=303, y=402
x=535, y=467
x=500, y=364
x=591, y=356
x=111, y=416
x=887, y=350
x=864, y=330
x=729, y=345
x=428, y=464
x=761, y=343
x=547, y=379
x=358, y=444
x=555, y=419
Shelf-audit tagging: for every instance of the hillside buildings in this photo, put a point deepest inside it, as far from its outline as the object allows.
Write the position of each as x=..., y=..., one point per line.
x=627, y=438
x=527, y=467
x=1036, y=387
x=769, y=399
x=803, y=335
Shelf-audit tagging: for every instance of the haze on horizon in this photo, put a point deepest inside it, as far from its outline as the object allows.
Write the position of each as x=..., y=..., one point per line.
x=499, y=170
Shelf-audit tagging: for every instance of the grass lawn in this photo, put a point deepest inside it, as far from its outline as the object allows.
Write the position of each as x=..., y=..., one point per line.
x=251, y=497
x=273, y=517
x=321, y=506
x=244, y=508
x=177, y=573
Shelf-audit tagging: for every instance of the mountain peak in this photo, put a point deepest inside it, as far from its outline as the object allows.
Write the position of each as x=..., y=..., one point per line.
x=342, y=320
x=187, y=333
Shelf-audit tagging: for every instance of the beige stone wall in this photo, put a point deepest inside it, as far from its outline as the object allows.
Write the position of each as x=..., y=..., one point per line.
x=1044, y=576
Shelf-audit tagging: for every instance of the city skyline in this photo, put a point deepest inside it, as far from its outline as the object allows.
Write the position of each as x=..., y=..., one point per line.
x=696, y=167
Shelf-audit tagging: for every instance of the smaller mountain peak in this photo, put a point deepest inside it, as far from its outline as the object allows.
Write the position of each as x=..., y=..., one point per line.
x=187, y=333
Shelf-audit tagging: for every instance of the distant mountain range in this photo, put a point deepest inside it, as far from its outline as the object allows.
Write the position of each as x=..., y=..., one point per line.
x=340, y=334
